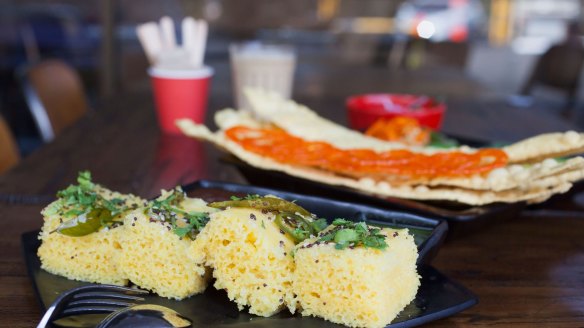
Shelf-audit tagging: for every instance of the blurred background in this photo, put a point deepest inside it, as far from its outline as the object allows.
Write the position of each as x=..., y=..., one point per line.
x=503, y=44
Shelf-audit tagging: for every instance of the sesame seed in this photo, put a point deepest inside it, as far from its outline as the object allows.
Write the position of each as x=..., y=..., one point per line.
x=252, y=216
x=315, y=261
x=265, y=285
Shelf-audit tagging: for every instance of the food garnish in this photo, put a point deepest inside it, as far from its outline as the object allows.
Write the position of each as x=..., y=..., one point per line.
x=87, y=210
x=183, y=223
x=285, y=148
x=351, y=234
x=262, y=203
x=402, y=129
x=294, y=220
x=298, y=227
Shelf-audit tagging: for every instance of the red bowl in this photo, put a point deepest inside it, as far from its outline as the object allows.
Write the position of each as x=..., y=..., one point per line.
x=364, y=110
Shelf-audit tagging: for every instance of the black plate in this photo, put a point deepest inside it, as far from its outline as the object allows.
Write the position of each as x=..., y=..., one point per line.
x=462, y=218
x=438, y=296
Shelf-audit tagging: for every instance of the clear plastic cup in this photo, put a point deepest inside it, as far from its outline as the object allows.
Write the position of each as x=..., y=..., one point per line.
x=264, y=66
x=180, y=94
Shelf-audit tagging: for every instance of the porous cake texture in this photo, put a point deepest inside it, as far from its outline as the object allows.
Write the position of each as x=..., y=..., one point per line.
x=356, y=286
x=86, y=258
x=251, y=259
x=153, y=257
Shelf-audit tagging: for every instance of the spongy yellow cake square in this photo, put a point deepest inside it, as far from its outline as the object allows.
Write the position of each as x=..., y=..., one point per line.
x=251, y=259
x=86, y=258
x=356, y=286
x=153, y=257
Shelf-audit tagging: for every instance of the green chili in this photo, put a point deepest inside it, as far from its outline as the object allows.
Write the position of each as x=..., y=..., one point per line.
x=294, y=225
x=85, y=224
x=263, y=203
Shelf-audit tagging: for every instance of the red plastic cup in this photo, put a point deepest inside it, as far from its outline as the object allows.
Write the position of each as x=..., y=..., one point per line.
x=364, y=110
x=180, y=94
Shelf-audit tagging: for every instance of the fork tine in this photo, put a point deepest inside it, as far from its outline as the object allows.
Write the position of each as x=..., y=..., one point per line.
x=106, y=295
x=87, y=310
x=78, y=301
x=110, y=288
x=97, y=302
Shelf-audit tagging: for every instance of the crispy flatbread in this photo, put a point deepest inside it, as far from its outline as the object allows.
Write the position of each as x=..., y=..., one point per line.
x=507, y=178
x=300, y=121
x=544, y=146
x=517, y=176
x=422, y=192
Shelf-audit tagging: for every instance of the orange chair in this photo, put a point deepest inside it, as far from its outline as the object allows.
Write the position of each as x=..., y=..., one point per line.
x=9, y=155
x=55, y=96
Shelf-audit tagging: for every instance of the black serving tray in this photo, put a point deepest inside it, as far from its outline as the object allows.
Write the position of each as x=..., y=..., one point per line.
x=462, y=219
x=437, y=297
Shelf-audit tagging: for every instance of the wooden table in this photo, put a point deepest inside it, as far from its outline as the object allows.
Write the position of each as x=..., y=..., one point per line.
x=527, y=272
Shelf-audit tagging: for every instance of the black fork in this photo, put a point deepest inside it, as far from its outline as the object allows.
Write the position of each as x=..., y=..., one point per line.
x=91, y=299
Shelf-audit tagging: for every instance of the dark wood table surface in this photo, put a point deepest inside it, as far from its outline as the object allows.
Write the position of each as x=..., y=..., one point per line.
x=528, y=271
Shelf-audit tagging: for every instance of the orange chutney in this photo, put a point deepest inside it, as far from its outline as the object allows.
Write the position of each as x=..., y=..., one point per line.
x=285, y=148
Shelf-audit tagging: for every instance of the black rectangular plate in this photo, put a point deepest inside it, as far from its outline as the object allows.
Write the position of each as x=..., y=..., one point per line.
x=462, y=218
x=438, y=296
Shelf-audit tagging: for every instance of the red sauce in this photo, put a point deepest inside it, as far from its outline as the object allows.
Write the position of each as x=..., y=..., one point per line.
x=285, y=148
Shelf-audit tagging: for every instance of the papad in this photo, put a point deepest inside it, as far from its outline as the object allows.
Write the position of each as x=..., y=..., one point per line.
x=467, y=196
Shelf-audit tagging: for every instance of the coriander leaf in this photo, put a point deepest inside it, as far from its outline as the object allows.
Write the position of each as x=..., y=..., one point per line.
x=167, y=209
x=352, y=233
x=319, y=225
x=346, y=235
x=84, y=180
x=339, y=222
x=342, y=245
x=181, y=232
x=78, y=201
x=327, y=237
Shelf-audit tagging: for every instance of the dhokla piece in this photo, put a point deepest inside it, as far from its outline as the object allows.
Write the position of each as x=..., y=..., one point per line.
x=251, y=259
x=356, y=286
x=89, y=257
x=154, y=253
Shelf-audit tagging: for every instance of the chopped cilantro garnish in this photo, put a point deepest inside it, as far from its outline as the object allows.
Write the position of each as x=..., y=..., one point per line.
x=82, y=200
x=167, y=208
x=348, y=233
